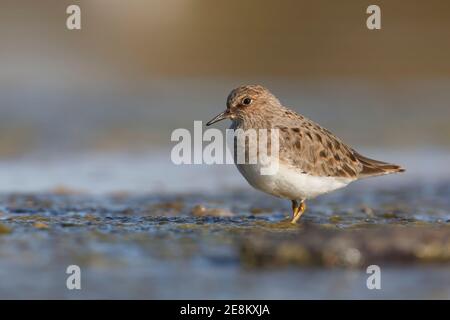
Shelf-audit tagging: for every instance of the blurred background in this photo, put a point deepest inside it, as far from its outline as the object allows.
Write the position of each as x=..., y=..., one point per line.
x=92, y=111
x=80, y=106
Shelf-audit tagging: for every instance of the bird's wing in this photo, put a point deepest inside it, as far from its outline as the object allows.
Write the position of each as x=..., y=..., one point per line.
x=316, y=151
x=373, y=167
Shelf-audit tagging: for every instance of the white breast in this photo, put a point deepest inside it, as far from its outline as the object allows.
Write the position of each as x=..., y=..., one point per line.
x=289, y=183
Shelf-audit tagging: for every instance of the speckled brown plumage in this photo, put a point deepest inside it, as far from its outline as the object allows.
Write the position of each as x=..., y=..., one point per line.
x=312, y=160
x=304, y=144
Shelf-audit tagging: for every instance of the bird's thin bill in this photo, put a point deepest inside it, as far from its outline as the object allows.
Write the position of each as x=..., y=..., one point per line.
x=223, y=115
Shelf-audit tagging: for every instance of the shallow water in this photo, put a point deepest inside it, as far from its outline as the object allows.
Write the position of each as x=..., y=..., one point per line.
x=227, y=245
x=153, y=171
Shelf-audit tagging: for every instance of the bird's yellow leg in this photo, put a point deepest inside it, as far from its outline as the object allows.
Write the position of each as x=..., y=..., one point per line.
x=297, y=210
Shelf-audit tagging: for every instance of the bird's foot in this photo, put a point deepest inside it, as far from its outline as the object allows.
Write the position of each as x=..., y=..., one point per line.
x=297, y=211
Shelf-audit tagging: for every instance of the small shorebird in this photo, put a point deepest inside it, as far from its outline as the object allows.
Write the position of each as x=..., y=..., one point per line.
x=312, y=161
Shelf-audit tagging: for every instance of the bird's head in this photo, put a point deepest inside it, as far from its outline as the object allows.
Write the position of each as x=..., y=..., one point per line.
x=245, y=102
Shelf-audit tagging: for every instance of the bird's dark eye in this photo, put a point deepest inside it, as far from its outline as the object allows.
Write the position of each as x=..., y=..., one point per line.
x=246, y=101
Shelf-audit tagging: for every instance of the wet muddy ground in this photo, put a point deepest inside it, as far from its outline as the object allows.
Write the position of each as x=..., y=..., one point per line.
x=234, y=245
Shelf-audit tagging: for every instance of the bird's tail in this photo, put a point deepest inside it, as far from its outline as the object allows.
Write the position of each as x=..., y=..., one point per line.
x=373, y=167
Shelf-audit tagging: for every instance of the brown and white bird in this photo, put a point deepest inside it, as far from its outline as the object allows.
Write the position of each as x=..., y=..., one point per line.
x=312, y=161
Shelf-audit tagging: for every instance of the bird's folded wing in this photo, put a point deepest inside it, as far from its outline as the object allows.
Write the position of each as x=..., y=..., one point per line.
x=316, y=151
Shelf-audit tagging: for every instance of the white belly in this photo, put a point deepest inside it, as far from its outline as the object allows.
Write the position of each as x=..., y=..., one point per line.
x=289, y=183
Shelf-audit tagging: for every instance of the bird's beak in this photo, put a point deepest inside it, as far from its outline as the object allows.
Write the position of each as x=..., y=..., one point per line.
x=223, y=115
